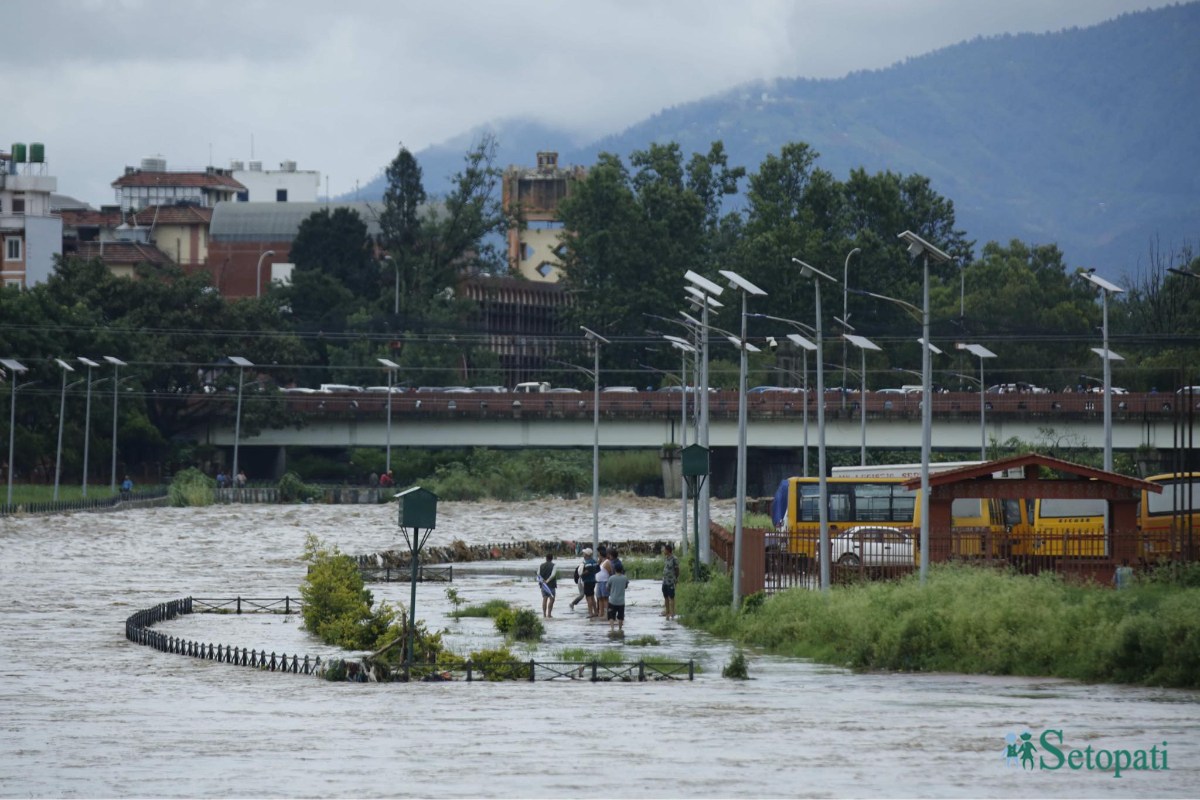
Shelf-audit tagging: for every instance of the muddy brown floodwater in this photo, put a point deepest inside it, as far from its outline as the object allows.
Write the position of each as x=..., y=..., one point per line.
x=84, y=713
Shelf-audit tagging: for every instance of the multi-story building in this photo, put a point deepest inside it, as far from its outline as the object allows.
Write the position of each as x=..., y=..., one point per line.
x=284, y=185
x=154, y=185
x=30, y=233
x=535, y=248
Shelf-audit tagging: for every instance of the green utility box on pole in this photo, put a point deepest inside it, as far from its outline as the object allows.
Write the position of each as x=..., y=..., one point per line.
x=695, y=472
x=418, y=514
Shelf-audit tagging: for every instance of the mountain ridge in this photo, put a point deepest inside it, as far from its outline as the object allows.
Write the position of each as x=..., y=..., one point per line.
x=1079, y=137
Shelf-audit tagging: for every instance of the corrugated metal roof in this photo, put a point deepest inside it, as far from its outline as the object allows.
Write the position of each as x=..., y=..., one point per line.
x=277, y=222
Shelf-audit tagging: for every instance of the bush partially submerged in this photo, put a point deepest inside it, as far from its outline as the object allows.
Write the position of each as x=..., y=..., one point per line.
x=191, y=487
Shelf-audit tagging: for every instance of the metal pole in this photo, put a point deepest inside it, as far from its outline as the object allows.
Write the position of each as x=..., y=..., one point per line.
x=596, y=448
x=740, y=509
x=62, y=410
x=12, y=429
x=982, y=412
x=822, y=486
x=705, y=551
x=926, y=422
x=237, y=427
x=862, y=404
x=396, y=302
x=412, y=603
x=683, y=443
x=388, y=463
x=1108, y=460
x=87, y=429
x=846, y=315
x=806, y=399
x=113, y=476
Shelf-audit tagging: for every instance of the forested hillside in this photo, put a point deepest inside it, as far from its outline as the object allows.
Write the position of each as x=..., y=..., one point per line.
x=1083, y=138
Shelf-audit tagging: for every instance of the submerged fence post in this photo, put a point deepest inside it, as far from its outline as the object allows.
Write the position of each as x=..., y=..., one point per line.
x=531, y=670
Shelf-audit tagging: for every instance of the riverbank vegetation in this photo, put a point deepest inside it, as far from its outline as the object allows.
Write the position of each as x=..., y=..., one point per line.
x=974, y=620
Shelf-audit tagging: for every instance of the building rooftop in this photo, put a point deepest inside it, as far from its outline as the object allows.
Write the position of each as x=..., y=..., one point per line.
x=211, y=179
x=278, y=222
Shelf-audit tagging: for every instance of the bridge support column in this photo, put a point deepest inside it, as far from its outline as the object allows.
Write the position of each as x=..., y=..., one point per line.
x=672, y=471
x=280, y=466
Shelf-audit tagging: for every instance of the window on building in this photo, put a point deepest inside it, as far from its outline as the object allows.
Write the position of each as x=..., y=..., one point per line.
x=12, y=282
x=18, y=205
x=545, y=268
x=243, y=197
x=281, y=195
x=12, y=249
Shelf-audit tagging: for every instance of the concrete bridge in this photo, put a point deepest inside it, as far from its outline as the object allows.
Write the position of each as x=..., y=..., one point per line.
x=775, y=429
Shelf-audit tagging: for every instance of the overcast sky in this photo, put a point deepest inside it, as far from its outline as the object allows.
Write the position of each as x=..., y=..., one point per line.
x=336, y=86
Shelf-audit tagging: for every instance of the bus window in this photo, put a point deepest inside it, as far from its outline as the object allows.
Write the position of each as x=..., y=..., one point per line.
x=874, y=502
x=1174, y=499
x=1058, y=508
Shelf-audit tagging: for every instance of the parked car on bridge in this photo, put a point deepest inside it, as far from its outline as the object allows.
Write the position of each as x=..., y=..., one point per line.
x=384, y=389
x=491, y=389
x=1020, y=387
x=563, y=390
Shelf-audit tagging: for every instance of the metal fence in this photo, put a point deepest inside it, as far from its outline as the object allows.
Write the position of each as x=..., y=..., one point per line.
x=157, y=496
x=138, y=629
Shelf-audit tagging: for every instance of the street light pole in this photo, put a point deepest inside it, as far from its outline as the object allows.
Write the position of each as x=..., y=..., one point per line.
x=258, y=273
x=747, y=288
x=846, y=314
x=87, y=419
x=811, y=272
x=14, y=369
x=391, y=367
x=919, y=247
x=596, y=340
x=241, y=363
x=116, y=365
x=708, y=292
x=62, y=411
x=980, y=352
x=1106, y=288
x=863, y=344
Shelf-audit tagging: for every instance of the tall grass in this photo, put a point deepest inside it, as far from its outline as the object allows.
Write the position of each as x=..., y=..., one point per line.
x=975, y=621
x=43, y=493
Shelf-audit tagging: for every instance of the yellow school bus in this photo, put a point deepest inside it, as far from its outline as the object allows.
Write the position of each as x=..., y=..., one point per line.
x=1169, y=523
x=979, y=526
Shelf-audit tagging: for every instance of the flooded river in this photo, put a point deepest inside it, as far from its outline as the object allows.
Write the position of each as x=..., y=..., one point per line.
x=84, y=713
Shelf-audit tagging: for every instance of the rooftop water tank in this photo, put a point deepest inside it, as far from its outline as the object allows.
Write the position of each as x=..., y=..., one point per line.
x=288, y=166
x=237, y=166
x=18, y=152
x=37, y=153
x=154, y=164
x=256, y=166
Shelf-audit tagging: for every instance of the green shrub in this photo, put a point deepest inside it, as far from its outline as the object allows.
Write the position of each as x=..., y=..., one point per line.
x=639, y=567
x=736, y=668
x=499, y=665
x=627, y=469
x=520, y=624
x=645, y=640
x=191, y=487
x=609, y=656
x=292, y=489
x=491, y=608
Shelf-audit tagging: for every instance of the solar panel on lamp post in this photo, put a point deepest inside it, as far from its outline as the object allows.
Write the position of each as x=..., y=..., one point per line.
x=1106, y=288
x=980, y=352
x=919, y=247
x=816, y=276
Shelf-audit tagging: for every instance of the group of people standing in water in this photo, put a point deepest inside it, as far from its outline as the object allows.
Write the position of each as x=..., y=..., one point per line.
x=601, y=582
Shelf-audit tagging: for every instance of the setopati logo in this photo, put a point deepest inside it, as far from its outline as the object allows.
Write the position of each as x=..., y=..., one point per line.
x=1050, y=752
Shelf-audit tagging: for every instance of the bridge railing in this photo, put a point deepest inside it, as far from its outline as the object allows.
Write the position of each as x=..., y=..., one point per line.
x=722, y=405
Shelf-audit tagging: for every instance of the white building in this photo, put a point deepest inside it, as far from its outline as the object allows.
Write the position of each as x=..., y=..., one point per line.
x=284, y=185
x=30, y=236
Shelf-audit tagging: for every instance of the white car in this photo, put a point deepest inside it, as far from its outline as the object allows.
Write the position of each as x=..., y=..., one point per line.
x=872, y=546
